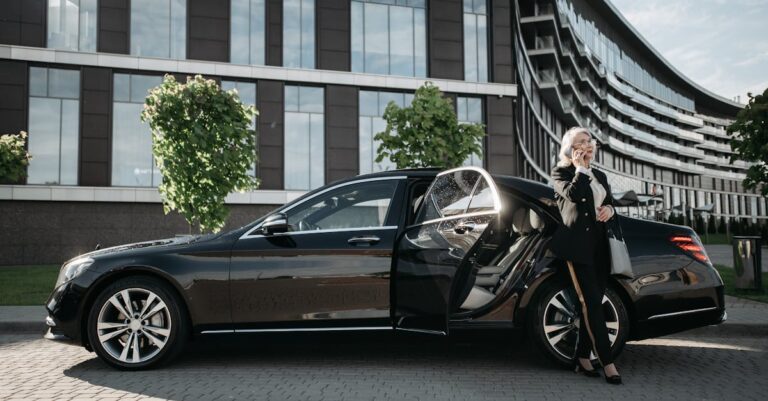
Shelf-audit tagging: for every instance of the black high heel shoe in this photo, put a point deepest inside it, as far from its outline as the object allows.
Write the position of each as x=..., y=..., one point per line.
x=580, y=369
x=615, y=379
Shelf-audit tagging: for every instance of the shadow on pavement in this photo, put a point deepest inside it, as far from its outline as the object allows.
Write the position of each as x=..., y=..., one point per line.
x=314, y=356
x=411, y=366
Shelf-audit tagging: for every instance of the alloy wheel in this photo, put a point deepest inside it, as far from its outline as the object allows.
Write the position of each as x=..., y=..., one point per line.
x=561, y=322
x=134, y=325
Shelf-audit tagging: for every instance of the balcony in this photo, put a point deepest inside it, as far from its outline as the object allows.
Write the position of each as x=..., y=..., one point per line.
x=718, y=132
x=714, y=120
x=654, y=105
x=724, y=162
x=690, y=120
x=720, y=147
x=656, y=125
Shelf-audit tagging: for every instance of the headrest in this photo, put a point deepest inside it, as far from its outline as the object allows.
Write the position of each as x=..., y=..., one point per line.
x=521, y=221
x=536, y=222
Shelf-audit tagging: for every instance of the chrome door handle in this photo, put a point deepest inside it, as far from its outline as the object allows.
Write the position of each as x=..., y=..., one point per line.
x=464, y=227
x=365, y=239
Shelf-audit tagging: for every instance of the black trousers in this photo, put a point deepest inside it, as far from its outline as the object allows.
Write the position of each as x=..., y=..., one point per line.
x=589, y=282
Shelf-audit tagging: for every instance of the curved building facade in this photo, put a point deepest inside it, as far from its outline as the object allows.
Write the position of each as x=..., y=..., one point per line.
x=74, y=74
x=579, y=62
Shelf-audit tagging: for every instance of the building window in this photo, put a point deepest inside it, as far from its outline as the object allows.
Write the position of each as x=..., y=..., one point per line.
x=72, y=25
x=372, y=105
x=389, y=37
x=133, y=164
x=475, y=41
x=247, y=32
x=54, y=111
x=299, y=33
x=304, y=151
x=469, y=110
x=159, y=28
x=247, y=93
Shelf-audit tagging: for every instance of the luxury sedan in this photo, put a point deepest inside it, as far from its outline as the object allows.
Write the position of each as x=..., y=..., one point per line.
x=417, y=250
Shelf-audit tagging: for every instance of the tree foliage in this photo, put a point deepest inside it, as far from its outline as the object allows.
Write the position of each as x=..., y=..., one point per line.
x=750, y=141
x=427, y=133
x=203, y=145
x=14, y=159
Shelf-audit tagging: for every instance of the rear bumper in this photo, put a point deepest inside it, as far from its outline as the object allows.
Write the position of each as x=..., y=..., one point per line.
x=675, y=323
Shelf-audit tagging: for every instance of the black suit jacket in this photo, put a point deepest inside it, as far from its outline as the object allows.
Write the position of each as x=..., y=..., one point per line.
x=577, y=237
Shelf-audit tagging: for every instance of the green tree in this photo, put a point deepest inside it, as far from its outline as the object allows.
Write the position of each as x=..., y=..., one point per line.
x=14, y=159
x=203, y=146
x=750, y=140
x=427, y=133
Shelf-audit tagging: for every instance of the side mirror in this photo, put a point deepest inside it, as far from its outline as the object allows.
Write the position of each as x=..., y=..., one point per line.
x=276, y=223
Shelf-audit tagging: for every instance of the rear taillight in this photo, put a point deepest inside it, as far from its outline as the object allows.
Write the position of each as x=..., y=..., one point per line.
x=690, y=245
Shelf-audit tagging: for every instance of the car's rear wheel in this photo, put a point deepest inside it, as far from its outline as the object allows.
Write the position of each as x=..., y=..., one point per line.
x=554, y=322
x=137, y=323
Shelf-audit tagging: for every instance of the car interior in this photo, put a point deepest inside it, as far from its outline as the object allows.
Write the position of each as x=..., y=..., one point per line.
x=500, y=257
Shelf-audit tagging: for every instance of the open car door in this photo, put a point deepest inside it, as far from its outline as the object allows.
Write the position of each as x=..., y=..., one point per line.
x=459, y=208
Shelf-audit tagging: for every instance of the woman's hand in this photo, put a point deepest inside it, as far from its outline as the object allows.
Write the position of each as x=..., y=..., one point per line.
x=604, y=213
x=578, y=158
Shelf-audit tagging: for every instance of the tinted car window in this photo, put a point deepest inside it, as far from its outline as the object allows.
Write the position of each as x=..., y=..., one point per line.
x=450, y=195
x=351, y=206
x=483, y=199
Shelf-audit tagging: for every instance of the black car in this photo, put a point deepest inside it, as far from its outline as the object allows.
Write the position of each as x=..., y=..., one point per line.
x=418, y=250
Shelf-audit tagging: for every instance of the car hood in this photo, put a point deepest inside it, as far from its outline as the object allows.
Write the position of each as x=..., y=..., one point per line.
x=154, y=244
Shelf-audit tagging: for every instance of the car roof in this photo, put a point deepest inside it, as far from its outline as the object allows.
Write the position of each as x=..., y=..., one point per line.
x=532, y=188
x=536, y=190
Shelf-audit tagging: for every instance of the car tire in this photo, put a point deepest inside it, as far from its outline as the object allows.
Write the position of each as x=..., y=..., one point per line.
x=559, y=344
x=155, y=333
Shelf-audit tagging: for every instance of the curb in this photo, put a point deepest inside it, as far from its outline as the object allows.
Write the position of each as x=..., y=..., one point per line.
x=22, y=327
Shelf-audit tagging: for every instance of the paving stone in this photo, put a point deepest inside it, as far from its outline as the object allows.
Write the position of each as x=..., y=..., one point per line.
x=693, y=365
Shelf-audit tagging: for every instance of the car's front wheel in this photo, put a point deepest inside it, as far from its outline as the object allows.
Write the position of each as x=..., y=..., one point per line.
x=137, y=323
x=553, y=322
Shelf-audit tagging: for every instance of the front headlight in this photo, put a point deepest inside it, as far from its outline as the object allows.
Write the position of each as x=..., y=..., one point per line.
x=72, y=270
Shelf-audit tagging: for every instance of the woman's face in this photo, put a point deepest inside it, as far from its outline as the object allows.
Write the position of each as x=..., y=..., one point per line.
x=583, y=141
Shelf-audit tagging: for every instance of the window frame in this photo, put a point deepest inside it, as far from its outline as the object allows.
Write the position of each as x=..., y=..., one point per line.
x=30, y=95
x=255, y=231
x=483, y=175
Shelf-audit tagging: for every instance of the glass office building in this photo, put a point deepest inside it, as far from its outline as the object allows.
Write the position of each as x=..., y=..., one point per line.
x=74, y=74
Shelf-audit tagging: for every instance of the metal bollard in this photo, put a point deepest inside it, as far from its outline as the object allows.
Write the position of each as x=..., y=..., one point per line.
x=747, y=262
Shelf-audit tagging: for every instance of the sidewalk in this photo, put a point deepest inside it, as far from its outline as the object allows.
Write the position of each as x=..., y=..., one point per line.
x=744, y=317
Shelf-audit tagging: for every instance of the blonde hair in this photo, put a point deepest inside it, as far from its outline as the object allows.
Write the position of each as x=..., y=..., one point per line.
x=567, y=143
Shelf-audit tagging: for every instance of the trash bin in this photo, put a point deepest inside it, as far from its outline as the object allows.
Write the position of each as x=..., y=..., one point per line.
x=747, y=262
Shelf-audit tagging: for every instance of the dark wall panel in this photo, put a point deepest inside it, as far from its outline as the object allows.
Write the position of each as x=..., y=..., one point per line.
x=13, y=101
x=274, y=37
x=114, y=26
x=446, y=39
x=95, y=127
x=270, y=133
x=341, y=132
x=502, y=69
x=500, y=152
x=52, y=232
x=23, y=22
x=208, y=29
x=333, y=30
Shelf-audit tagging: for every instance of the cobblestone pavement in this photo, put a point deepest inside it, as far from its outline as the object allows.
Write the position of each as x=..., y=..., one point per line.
x=695, y=365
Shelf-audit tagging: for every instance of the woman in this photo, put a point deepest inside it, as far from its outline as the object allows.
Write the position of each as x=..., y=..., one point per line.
x=582, y=242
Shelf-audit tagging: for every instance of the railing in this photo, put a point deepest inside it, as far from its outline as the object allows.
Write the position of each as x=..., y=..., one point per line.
x=714, y=120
